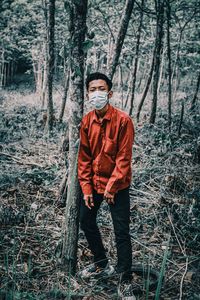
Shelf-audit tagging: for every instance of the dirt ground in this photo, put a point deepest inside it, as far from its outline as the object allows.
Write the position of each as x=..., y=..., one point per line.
x=165, y=207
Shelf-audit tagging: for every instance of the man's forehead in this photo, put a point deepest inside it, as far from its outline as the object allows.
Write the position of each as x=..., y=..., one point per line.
x=97, y=82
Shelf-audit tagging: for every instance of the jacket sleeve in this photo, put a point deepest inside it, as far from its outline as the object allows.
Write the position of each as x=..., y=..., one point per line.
x=123, y=157
x=85, y=162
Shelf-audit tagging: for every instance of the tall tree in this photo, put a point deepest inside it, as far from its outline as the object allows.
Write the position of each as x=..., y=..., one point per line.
x=168, y=13
x=194, y=100
x=159, y=5
x=50, y=60
x=121, y=35
x=146, y=87
x=64, y=98
x=78, y=11
x=177, y=55
x=136, y=59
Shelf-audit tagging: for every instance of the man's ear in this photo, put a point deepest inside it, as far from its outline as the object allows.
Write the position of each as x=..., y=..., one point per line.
x=110, y=94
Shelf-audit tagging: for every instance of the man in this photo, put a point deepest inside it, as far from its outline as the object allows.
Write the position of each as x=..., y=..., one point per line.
x=104, y=173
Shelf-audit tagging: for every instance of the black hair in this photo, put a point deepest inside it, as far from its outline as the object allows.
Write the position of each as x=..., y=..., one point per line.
x=96, y=76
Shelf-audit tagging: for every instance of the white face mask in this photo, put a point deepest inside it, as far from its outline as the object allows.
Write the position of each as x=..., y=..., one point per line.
x=98, y=99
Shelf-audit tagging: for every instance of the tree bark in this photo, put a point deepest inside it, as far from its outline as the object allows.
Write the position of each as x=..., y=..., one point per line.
x=121, y=35
x=64, y=99
x=2, y=69
x=193, y=104
x=129, y=87
x=44, y=74
x=109, y=51
x=179, y=44
x=136, y=59
x=159, y=45
x=78, y=11
x=161, y=67
x=168, y=11
x=121, y=86
x=50, y=62
x=146, y=88
x=181, y=119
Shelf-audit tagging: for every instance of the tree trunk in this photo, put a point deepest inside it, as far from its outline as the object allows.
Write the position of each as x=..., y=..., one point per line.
x=2, y=69
x=4, y=74
x=175, y=68
x=129, y=87
x=168, y=10
x=44, y=62
x=44, y=74
x=161, y=68
x=50, y=62
x=43, y=93
x=159, y=45
x=78, y=11
x=181, y=119
x=136, y=59
x=109, y=51
x=64, y=99
x=146, y=88
x=121, y=86
x=121, y=35
x=193, y=104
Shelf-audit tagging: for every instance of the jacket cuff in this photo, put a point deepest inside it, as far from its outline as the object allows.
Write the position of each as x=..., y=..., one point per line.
x=111, y=189
x=87, y=189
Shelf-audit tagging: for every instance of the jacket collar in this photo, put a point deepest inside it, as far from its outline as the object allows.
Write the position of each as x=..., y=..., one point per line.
x=107, y=116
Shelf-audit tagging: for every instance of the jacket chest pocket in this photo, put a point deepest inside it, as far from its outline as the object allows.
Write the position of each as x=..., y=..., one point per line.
x=110, y=147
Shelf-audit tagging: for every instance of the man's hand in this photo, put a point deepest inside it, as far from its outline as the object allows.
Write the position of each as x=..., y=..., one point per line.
x=109, y=197
x=89, y=200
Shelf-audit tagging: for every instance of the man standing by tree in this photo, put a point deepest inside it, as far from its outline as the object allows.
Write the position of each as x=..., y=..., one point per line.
x=104, y=173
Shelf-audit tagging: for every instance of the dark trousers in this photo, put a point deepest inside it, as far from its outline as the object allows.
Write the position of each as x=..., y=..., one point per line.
x=120, y=212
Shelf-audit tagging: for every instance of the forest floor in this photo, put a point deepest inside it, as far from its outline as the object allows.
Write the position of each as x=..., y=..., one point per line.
x=165, y=207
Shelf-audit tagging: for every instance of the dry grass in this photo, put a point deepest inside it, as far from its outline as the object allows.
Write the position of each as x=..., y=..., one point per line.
x=164, y=202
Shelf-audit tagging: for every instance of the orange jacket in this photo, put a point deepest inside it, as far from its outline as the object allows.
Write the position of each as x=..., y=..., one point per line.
x=105, y=151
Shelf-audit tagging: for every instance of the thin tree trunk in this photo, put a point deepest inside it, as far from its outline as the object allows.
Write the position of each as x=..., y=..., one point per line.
x=44, y=60
x=129, y=87
x=159, y=43
x=44, y=86
x=175, y=68
x=174, y=71
x=181, y=119
x=161, y=69
x=146, y=88
x=109, y=51
x=50, y=62
x=64, y=99
x=4, y=74
x=136, y=59
x=168, y=10
x=55, y=63
x=118, y=80
x=44, y=82
x=193, y=104
x=121, y=35
x=121, y=87
x=8, y=72
x=2, y=69
x=34, y=69
x=78, y=11
x=98, y=60
x=12, y=70
x=143, y=75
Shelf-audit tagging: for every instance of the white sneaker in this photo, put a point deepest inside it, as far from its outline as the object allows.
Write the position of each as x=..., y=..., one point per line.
x=125, y=291
x=95, y=271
